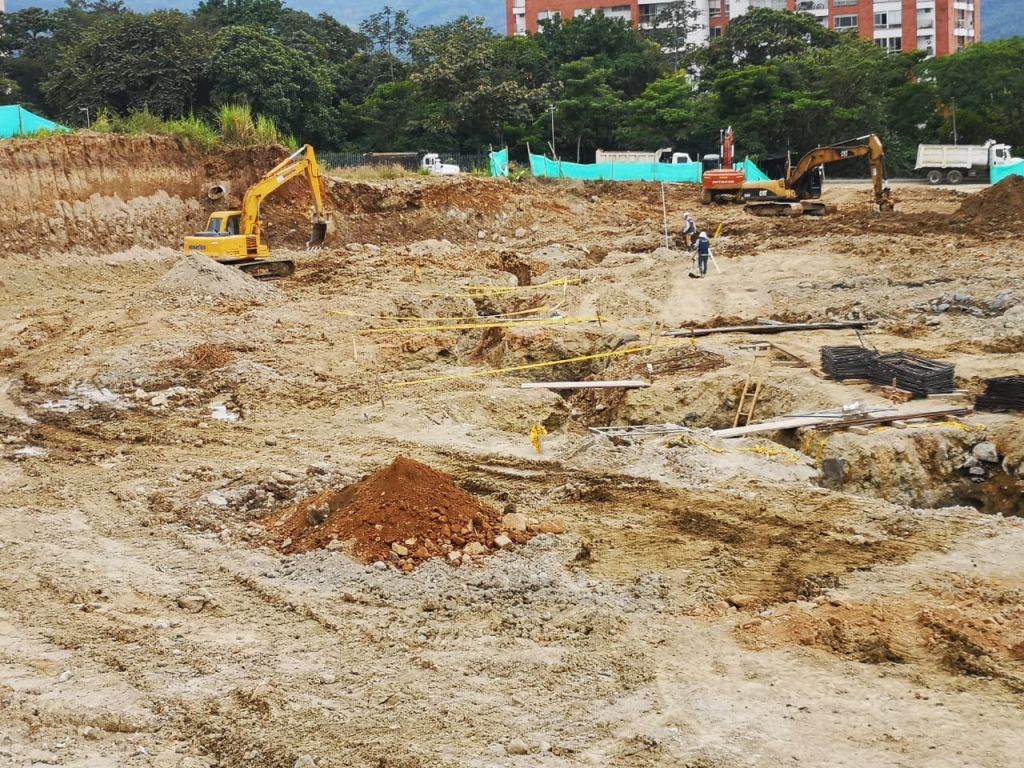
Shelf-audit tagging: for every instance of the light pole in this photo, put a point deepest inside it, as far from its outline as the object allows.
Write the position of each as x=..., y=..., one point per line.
x=554, y=153
x=88, y=122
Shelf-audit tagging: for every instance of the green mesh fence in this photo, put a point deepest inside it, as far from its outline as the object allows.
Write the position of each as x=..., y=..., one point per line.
x=499, y=163
x=682, y=173
x=1000, y=172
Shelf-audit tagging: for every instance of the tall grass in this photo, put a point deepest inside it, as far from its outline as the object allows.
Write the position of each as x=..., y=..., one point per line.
x=235, y=126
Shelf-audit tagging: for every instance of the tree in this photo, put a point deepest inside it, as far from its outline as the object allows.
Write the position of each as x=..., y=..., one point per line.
x=587, y=108
x=323, y=36
x=761, y=35
x=477, y=84
x=672, y=29
x=27, y=55
x=389, y=33
x=984, y=81
x=128, y=62
x=632, y=61
x=291, y=86
x=215, y=14
x=667, y=113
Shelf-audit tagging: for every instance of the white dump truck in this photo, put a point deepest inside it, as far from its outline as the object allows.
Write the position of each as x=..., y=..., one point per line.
x=954, y=163
x=665, y=155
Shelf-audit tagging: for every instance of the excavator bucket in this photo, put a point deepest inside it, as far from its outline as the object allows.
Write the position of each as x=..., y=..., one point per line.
x=318, y=236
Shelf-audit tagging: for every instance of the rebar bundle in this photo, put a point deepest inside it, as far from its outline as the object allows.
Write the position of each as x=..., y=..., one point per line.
x=1005, y=393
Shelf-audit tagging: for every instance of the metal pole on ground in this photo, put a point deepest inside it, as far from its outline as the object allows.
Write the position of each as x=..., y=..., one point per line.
x=664, y=212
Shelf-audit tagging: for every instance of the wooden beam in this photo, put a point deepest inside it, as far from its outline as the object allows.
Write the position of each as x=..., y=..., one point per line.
x=626, y=384
x=832, y=424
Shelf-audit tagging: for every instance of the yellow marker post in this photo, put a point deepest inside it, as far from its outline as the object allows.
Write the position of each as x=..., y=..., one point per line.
x=537, y=432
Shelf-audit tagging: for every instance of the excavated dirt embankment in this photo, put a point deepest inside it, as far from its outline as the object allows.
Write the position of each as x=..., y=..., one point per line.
x=109, y=192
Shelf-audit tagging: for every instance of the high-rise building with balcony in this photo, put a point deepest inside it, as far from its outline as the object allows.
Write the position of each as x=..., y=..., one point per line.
x=940, y=27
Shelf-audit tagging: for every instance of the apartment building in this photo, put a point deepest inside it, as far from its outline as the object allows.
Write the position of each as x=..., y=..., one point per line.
x=940, y=27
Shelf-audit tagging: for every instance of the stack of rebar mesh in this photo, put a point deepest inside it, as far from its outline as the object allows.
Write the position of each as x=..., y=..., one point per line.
x=918, y=375
x=843, y=363
x=1005, y=393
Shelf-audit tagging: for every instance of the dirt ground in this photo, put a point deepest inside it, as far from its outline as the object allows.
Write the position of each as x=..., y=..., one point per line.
x=712, y=603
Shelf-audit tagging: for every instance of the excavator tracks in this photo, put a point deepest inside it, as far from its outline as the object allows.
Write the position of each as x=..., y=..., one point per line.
x=783, y=208
x=264, y=269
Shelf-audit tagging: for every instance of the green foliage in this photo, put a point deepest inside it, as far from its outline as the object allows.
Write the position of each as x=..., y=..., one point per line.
x=986, y=85
x=127, y=62
x=253, y=71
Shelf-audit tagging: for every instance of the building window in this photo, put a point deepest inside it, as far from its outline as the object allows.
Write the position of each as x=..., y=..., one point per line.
x=888, y=20
x=840, y=3
x=715, y=32
x=890, y=44
x=715, y=8
x=546, y=15
x=845, y=22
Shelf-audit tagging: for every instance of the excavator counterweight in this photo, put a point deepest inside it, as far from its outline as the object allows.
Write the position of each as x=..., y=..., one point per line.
x=235, y=238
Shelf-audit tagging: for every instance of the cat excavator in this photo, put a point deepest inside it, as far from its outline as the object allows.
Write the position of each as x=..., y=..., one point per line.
x=799, y=191
x=236, y=237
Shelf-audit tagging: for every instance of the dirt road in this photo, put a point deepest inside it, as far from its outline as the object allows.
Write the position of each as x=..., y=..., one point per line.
x=710, y=603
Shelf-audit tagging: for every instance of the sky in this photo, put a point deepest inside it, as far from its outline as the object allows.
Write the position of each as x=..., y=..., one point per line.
x=349, y=12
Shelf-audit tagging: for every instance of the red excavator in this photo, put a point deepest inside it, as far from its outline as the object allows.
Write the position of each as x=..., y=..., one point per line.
x=720, y=179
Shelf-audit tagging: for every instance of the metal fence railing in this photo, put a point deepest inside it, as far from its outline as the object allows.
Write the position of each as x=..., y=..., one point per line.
x=467, y=162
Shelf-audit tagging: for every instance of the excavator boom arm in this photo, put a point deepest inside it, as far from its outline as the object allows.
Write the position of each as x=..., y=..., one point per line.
x=301, y=162
x=869, y=146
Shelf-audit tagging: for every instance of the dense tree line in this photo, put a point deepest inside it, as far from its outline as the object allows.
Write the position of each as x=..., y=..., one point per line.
x=780, y=79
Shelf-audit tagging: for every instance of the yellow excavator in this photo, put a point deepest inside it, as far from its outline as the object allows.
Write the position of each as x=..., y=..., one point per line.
x=799, y=191
x=236, y=237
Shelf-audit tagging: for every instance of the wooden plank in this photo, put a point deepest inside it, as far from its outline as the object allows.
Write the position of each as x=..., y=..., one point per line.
x=626, y=384
x=829, y=425
x=772, y=426
x=763, y=328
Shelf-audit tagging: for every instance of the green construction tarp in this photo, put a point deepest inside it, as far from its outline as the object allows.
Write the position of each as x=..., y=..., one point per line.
x=681, y=173
x=499, y=163
x=1000, y=172
x=15, y=120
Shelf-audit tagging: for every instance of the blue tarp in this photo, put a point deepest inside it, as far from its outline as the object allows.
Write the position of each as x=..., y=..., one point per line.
x=499, y=163
x=682, y=173
x=15, y=120
x=1000, y=172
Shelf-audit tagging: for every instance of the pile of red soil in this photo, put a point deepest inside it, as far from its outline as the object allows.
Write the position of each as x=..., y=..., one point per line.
x=998, y=207
x=403, y=514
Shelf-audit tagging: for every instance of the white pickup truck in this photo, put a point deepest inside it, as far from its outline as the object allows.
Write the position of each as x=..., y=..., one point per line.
x=954, y=163
x=432, y=164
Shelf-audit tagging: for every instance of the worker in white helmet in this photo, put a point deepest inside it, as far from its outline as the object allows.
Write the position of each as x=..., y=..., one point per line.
x=703, y=249
x=689, y=230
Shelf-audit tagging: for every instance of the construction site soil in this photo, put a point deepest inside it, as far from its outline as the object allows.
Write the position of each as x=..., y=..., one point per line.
x=232, y=510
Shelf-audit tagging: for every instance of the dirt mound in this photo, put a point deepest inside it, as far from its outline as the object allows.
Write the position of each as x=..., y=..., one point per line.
x=405, y=513
x=1000, y=206
x=201, y=276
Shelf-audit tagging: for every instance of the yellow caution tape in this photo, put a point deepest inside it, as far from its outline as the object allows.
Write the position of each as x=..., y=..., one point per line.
x=475, y=326
x=485, y=291
x=530, y=366
x=498, y=316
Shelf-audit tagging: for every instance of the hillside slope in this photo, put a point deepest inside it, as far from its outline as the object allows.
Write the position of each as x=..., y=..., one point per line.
x=1001, y=18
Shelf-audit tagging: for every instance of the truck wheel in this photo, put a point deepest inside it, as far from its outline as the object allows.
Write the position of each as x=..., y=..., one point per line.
x=934, y=177
x=954, y=177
